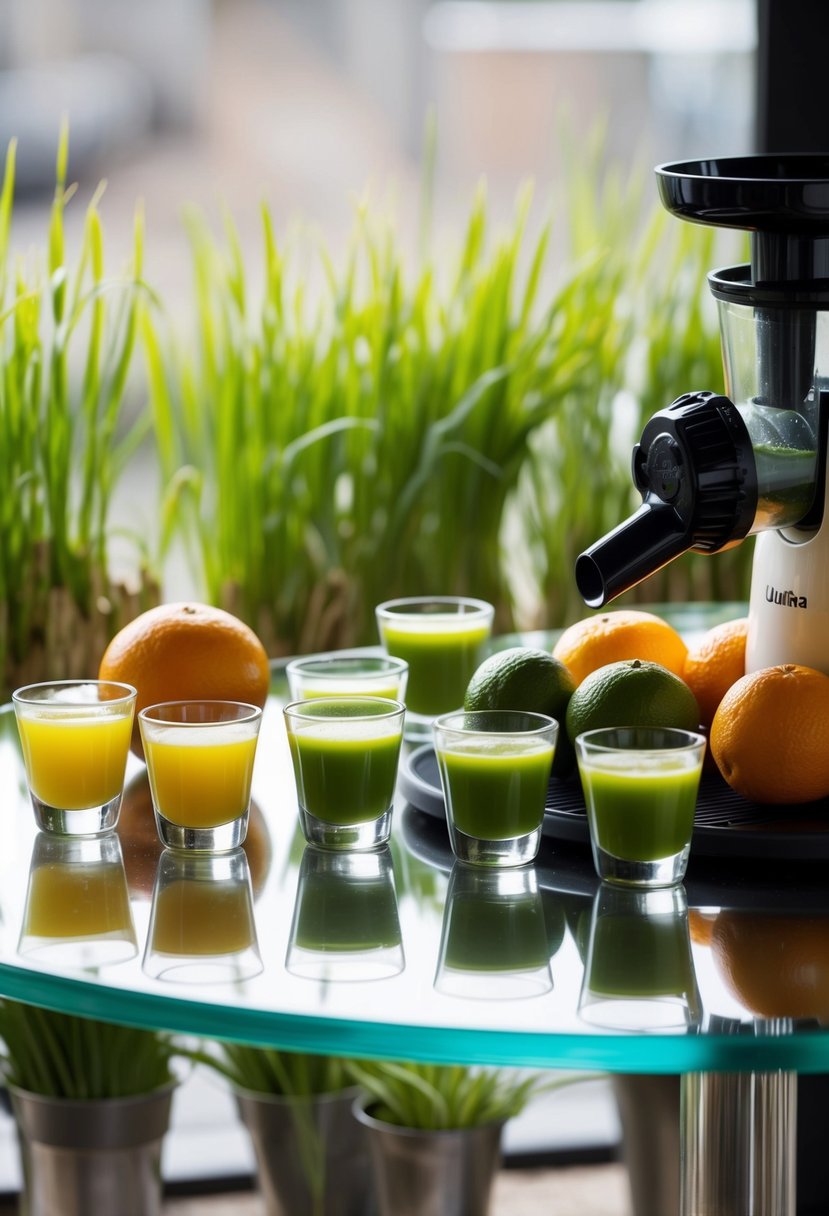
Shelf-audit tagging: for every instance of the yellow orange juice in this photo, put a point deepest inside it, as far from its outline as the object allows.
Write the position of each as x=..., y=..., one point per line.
x=200, y=778
x=73, y=901
x=202, y=918
x=75, y=762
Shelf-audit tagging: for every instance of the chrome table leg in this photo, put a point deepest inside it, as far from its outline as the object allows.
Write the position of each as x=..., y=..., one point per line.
x=738, y=1140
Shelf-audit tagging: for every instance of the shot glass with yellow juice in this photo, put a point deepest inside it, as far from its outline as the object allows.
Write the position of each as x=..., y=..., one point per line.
x=200, y=758
x=75, y=736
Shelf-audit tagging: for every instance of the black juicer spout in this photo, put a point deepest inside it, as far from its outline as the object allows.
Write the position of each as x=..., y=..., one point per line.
x=694, y=467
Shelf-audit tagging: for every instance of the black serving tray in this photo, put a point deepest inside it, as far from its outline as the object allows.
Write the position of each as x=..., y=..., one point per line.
x=726, y=824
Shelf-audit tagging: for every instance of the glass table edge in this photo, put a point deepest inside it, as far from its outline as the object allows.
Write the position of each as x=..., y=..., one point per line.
x=619, y=1053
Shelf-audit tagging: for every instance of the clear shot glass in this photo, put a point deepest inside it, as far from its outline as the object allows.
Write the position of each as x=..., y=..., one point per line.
x=200, y=758
x=77, y=912
x=640, y=788
x=494, y=769
x=345, y=924
x=75, y=736
x=202, y=929
x=494, y=942
x=341, y=674
x=345, y=752
x=639, y=972
x=443, y=639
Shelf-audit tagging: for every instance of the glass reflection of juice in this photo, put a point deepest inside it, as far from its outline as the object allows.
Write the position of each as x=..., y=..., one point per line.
x=202, y=918
x=197, y=781
x=644, y=956
x=341, y=913
x=77, y=900
x=497, y=788
x=642, y=813
x=75, y=763
x=442, y=658
x=345, y=781
x=496, y=934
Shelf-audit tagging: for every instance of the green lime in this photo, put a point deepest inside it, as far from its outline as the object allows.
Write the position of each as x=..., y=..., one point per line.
x=631, y=693
x=528, y=679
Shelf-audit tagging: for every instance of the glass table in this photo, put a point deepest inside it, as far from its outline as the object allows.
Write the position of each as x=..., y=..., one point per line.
x=400, y=954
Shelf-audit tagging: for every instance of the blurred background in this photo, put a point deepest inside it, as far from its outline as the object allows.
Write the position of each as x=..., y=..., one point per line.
x=304, y=102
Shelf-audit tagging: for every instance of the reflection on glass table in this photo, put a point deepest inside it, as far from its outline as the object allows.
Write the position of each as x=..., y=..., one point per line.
x=345, y=924
x=201, y=925
x=639, y=973
x=77, y=909
x=494, y=940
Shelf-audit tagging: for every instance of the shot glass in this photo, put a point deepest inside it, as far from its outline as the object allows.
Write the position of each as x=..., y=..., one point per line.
x=639, y=973
x=345, y=924
x=75, y=736
x=345, y=752
x=640, y=787
x=494, y=941
x=443, y=639
x=494, y=769
x=200, y=758
x=77, y=912
x=202, y=929
x=347, y=675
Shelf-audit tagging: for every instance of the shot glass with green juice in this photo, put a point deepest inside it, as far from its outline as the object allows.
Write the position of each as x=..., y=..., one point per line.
x=345, y=752
x=443, y=640
x=494, y=769
x=347, y=674
x=640, y=787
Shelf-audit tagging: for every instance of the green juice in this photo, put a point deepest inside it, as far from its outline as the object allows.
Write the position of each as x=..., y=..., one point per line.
x=641, y=956
x=641, y=814
x=498, y=934
x=355, y=690
x=496, y=789
x=336, y=913
x=441, y=662
x=345, y=781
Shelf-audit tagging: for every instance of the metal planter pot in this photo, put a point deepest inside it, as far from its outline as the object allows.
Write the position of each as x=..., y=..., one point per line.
x=431, y=1173
x=97, y=1156
x=311, y=1152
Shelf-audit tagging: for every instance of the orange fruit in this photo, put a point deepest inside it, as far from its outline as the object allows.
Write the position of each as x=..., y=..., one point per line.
x=770, y=734
x=714, y=664
x=631, y=693
x=777, y=966
x=187, y=652
x=613, y=636
x=701, y=926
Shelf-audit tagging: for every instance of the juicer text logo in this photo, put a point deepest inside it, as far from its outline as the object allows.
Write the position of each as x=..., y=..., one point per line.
x=787, y=598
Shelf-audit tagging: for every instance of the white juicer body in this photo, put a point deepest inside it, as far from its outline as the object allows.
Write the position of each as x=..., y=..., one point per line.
x=788, y=615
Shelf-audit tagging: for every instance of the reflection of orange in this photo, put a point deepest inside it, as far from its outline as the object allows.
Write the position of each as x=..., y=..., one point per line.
x=717, y=662
x=185, y=652
x=701, y=926
x=770, y=734
x=142, y=848
x=611, y=637
x=777, y=966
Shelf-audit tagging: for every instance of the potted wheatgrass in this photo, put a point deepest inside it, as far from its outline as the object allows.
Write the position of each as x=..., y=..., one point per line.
x=92, y=1103
x=67, y=336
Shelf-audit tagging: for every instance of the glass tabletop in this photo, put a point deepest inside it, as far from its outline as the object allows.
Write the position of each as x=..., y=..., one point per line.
x=399, y=953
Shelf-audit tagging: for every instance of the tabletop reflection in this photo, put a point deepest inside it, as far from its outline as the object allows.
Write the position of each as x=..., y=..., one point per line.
x=345, y=923
x=202, y=929
x=77, y=910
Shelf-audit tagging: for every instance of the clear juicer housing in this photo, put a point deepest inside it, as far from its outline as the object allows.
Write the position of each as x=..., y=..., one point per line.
x=780, y=408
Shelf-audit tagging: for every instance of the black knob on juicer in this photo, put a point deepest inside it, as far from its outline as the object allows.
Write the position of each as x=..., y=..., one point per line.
x=695, y=470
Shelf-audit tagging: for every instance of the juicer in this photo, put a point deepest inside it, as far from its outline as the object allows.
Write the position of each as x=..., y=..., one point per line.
x=713, y=469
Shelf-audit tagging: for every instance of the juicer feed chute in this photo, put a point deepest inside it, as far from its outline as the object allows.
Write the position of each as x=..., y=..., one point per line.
x=713, y=469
